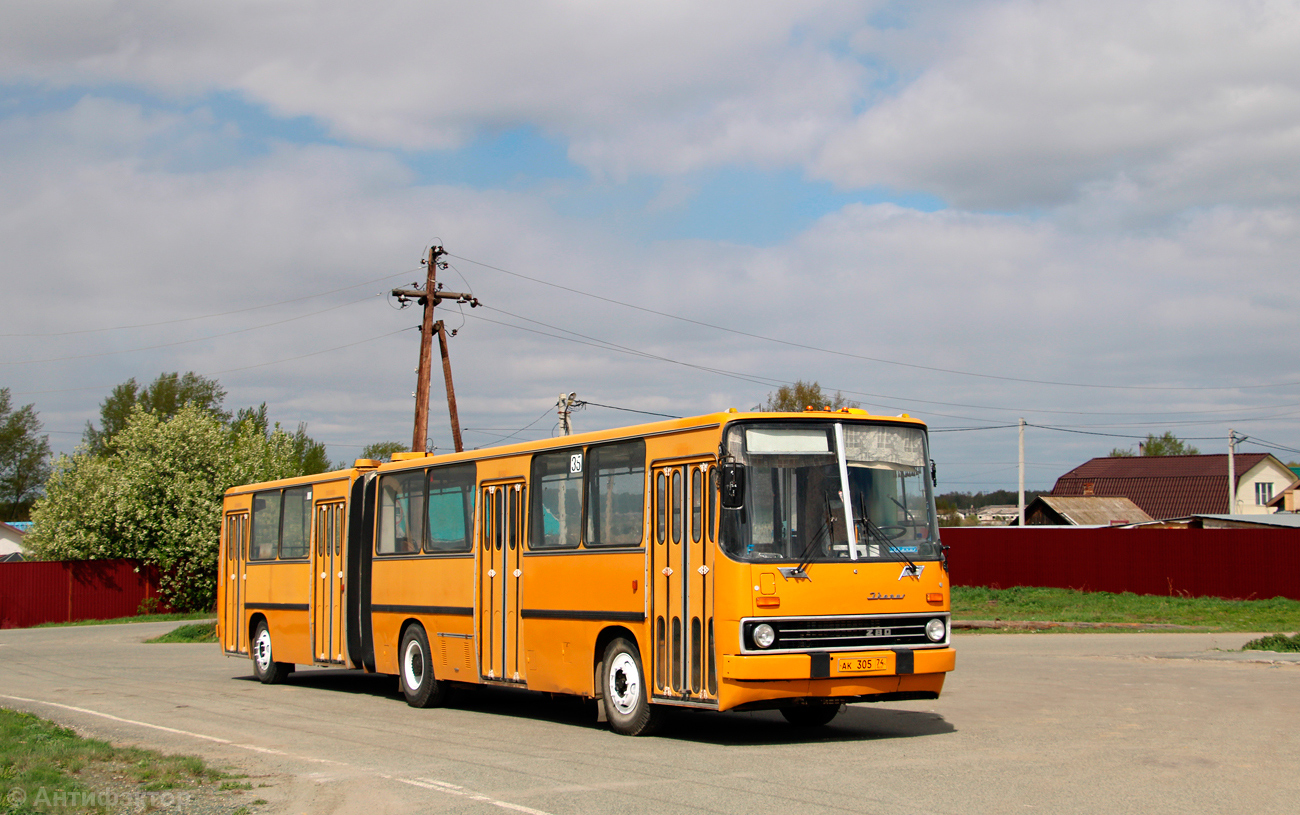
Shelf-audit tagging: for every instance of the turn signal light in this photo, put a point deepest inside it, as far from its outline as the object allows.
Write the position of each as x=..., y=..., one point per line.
x=768, y=602
x=934, y=597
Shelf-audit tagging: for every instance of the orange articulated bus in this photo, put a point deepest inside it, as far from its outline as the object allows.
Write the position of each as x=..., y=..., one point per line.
x=733, y=561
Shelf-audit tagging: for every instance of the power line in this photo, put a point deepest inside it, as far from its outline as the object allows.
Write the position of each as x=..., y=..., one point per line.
x=880, y=360
x=770, y=382
x=313, y=353
x=208, y=316
x=233, y=370
x=968, y=429
x=1255, y=440
x=185, y=342
x=1113, y=435
x=545, y=413
x=630, y=410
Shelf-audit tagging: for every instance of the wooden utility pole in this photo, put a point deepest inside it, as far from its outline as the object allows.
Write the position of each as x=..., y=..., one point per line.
x=451, y=390
x=429, y=297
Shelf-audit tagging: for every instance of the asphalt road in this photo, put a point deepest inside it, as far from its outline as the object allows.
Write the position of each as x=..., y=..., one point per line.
x=1089, y=723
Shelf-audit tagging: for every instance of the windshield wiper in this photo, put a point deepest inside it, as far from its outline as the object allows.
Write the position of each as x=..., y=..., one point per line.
x=876, y=532
x=806, y=556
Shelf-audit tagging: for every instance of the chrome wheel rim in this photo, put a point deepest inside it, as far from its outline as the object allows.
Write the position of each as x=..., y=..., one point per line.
x=624, y=683
x=413, y=665
x=262, y=650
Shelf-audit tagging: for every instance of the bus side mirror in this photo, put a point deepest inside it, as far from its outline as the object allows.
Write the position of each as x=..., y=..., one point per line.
x=731, y=483
x=934, y=473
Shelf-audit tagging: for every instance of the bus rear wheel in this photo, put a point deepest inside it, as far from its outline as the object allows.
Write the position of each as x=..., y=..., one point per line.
x=625, y=694
x=265, y=668
x=420, y=687
x=815, y=714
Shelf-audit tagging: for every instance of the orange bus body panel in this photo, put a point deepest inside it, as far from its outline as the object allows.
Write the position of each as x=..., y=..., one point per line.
x=549, y=612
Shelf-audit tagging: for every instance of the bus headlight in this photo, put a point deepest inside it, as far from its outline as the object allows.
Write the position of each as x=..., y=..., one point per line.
x=935, y=630
x=764, y=636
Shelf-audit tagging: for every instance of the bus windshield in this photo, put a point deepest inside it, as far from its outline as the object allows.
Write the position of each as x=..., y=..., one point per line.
x=794, y=506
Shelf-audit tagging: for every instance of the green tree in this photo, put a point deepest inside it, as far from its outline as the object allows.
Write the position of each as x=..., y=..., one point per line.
x=308, y=454
x=383, y=450
x=165, y=396
x=801, y=395
x=24, y=458
x=1164, y=445
x=156, y=495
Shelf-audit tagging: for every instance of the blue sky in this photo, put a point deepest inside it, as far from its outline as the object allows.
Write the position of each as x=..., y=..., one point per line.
x=1083, y=214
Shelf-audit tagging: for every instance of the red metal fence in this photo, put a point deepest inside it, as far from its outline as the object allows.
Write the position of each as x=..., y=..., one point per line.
x=1232, y=563
x=66, y=591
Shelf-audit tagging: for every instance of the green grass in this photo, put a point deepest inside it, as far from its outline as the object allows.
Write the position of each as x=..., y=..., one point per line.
x=39, y=760
x=1066, y=605
x=193, y=632
x=139, y=618
x=1274, y=642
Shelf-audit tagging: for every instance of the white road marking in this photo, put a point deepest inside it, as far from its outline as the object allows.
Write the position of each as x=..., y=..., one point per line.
x=452, y=789
x=189, y=733
x=425, y=783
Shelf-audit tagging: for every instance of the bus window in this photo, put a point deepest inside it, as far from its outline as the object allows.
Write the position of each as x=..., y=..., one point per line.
x=451, y=508
x=296, y=528
x=677, y=505
x=557, y=500
x=616, y=494
x=697, y=504
x=266, y=525
x=661, y=500
x=401, y=514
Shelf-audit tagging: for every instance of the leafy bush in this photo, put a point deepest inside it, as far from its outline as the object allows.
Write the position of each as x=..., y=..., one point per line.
x=156, y=495
x=1274, y=642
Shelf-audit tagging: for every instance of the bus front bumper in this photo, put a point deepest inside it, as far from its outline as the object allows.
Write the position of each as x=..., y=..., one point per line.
x=847, y=665
x=770, y=680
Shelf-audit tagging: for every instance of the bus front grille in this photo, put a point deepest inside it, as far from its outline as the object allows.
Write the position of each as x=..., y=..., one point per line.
x=843, y=633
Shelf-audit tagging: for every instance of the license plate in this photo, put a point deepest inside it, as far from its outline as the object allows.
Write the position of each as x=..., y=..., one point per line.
x=862, y=665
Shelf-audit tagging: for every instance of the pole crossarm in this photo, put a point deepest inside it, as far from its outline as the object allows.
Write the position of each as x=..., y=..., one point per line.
x=429, y=297
x=420, y=296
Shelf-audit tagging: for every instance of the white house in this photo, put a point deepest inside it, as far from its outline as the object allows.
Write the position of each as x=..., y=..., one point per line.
x=1259, y=485
x=11, y=540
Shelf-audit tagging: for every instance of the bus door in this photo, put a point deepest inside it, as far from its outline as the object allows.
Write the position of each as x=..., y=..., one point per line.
x=501, y=530
x=682, y=563
x=232, y=614
x=327, y=570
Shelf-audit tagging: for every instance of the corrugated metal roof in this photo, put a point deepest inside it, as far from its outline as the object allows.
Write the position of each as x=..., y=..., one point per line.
x=1162, y=486
x=1095, y=511
x=1281, y=519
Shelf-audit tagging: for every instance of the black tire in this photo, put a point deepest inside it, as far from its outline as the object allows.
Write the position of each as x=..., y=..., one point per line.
x=415, y=671
x=624, y=692
x=814, y=714
x=265, y=668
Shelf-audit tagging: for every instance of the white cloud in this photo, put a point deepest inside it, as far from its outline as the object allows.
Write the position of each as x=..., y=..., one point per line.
x=417, y=75
x=1191, y=102
x=114, y=213
x=1157, y=106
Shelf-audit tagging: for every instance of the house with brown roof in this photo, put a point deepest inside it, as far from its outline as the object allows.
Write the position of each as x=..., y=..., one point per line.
x=1180, y=486
x=1092, y=510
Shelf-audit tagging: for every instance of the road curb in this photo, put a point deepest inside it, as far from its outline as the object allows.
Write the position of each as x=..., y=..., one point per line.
x=1042, y=625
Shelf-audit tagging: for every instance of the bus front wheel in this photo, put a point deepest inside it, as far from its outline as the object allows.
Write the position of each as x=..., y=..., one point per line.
x=419, y=685
x=814, y=714
x=626, y=696
x=265, y=668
